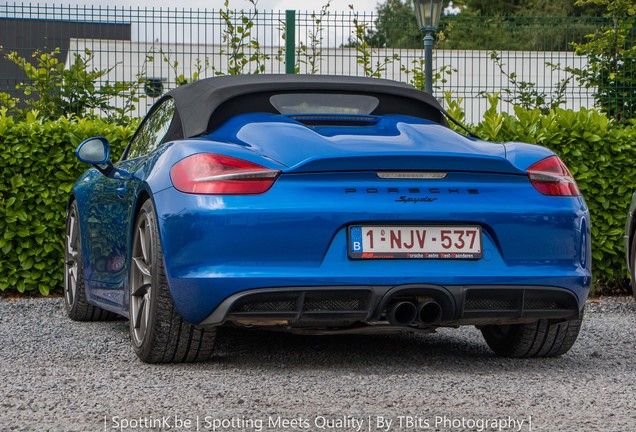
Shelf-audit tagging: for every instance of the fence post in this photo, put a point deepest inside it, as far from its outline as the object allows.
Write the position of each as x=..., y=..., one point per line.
x=290, y=41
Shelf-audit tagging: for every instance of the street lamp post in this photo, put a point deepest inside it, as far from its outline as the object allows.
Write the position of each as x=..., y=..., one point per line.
x=428, y=14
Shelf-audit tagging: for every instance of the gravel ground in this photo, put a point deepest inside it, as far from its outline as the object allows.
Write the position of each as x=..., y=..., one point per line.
x=59, y=375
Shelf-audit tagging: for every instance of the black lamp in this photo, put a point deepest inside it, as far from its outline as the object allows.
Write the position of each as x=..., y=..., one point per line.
x=428, y=14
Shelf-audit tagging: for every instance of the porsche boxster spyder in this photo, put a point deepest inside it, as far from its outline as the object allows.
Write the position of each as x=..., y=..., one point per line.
x=323, y=204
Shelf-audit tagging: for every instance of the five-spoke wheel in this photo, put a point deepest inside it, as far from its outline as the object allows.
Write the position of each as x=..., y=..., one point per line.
x=75, y=301
x=71, y=255
x=157, y=331
x=141, y=280
x=632, y=265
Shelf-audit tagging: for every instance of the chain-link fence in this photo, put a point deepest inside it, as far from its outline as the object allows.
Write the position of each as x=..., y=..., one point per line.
x=528, y=60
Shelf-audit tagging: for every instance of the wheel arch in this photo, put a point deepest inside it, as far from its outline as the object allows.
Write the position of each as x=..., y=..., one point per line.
x=71, y=198
x=143, y=195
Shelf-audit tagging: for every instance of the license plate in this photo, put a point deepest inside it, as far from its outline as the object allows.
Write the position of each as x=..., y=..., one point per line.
x=415, y=242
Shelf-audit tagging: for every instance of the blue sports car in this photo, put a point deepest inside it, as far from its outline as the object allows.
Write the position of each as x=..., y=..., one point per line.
x=322, y=205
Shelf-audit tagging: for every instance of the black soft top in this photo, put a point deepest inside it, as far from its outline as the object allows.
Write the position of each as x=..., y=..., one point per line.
x=205, y=103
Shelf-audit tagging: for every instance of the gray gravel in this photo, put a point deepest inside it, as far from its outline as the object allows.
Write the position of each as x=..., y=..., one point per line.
x=60, y=375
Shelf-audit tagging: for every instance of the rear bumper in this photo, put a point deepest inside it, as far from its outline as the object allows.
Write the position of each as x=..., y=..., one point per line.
x=342, y=306
x=200, y=291
x=218, y=248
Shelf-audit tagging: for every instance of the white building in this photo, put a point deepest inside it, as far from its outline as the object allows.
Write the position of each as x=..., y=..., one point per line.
x=473, y=72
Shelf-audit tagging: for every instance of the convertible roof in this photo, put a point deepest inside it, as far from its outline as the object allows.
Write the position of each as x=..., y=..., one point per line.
x=197, y=102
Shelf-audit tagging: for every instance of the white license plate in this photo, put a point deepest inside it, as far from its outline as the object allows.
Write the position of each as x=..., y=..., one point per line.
x=415, y=242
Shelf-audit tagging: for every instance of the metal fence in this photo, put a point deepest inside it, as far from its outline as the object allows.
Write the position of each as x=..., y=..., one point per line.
x=166, y=47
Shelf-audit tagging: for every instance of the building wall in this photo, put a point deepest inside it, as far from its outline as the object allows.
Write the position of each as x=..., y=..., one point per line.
x=25, y=36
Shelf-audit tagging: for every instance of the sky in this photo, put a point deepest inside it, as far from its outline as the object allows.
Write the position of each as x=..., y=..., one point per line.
x=341, y=5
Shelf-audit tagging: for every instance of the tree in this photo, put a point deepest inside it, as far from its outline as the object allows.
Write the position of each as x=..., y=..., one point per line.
x=527, y=8
x=395, y=25
x=508, y=23
x=79, y=90
x=611, y=60
x=490, y=7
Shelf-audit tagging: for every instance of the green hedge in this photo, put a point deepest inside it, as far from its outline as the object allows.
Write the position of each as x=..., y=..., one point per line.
x=39, y=167
x=602, y=159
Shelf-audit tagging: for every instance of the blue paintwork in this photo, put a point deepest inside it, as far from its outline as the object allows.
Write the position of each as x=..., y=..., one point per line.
x=103, y=150
x=394, y=142
x=295, y=234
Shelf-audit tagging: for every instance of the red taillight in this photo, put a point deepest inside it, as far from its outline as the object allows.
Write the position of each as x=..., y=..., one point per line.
x=551, y=177
x=208, y=173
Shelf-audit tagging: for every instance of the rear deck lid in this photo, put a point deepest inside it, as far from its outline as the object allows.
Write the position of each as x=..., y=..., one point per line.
x=381, y=143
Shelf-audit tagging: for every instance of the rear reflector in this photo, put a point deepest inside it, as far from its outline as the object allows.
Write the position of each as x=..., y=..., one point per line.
x=551, y=177
x=213, y=174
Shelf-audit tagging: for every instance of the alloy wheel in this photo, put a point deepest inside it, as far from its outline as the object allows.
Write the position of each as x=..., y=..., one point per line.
x=633, y=265
x=141, y=280
x=71, y=258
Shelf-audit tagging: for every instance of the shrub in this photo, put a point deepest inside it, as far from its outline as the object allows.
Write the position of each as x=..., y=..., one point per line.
x=54, y=90
x=600, y=156
x=38, y=170
x=611, y=60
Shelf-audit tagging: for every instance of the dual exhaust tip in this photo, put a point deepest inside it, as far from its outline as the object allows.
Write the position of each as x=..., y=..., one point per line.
x=405, y=313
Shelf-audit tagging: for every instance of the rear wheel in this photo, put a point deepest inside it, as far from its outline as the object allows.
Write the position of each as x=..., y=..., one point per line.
x=539, y=339
x=632, y=265
x=157, y=331
x=75, y=303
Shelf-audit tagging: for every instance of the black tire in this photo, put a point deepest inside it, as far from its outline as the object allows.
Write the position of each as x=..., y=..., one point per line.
x=157, y=331
x=632, y=265
x=75, y=303
x=539, y=339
